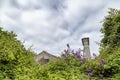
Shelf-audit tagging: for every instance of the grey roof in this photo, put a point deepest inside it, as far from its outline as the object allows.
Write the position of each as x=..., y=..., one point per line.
x=45, y=52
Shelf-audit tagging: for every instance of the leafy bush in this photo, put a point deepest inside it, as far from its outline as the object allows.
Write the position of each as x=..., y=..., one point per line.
x=111, y=30
x=15, y=61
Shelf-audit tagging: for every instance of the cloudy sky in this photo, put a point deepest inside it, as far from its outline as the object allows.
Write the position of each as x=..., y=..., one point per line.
x=51, y=24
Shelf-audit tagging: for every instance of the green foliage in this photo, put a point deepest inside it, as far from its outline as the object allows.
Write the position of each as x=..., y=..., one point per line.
x=110, y=44
x=111, y=30
x=15, y=61
x=62, y=70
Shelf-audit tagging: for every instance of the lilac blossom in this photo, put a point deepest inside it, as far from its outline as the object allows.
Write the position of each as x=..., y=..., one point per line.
x=102, y=62
x=66, y=51
x=68, y=45
x=73, y=52
x=90, y=74
x=94, y=55
x=77, y=54
x=81, y=55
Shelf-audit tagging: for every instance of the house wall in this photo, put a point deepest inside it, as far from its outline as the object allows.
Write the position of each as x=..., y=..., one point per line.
x=42, y=57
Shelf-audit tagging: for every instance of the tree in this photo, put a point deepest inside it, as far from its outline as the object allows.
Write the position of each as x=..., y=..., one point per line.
x=111, y=30
x=15, y=60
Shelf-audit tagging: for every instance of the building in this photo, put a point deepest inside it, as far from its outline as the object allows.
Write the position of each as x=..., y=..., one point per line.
x=86, y=49
x=44, y=57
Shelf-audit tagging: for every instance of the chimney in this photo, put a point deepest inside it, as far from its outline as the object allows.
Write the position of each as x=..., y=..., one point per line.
x=86, y=50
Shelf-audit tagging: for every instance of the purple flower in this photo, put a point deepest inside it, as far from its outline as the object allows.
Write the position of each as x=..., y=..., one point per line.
x=94, y=55
x=81, y=55
x=77, y=54
x=73, y=52
x=90, y=74
x=65, y=51
x=102, y=62
x=68, y=45
x=79, y=50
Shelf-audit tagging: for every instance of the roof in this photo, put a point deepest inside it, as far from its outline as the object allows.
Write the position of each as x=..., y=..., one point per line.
x=45, y=52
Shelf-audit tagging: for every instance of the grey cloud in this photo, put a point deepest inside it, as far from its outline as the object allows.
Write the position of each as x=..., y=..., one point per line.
x=1, y=2
x=51, y=24
x=54, y=5
x=28, y=4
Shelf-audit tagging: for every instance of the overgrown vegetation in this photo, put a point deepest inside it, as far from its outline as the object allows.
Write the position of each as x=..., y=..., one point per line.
x=17, y=63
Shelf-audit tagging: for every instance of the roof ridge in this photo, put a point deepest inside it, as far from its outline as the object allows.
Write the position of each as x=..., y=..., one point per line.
x=46, y=53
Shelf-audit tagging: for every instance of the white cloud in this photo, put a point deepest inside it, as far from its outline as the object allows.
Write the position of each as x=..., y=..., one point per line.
x=23, y=3
x=38, y=16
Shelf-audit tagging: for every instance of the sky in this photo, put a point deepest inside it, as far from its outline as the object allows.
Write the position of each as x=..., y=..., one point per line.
x=50, y=24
